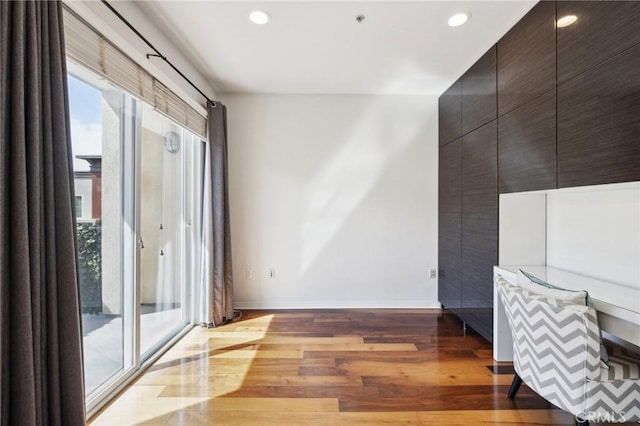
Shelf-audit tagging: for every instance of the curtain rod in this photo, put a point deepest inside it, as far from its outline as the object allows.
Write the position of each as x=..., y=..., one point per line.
x=157, y=53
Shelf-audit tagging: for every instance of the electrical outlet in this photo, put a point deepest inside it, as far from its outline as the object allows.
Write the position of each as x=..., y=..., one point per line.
x=248, y=273
x=433, y=272
x=272, y=273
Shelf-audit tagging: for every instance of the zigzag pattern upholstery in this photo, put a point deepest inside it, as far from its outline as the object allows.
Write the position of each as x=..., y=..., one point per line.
x=618, y=389
x=556, y=348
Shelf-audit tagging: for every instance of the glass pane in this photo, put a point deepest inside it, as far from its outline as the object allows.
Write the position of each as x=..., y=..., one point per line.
x=161, y=229
x=96, y=122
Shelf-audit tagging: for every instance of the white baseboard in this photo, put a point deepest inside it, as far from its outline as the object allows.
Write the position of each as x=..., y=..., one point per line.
x=360, y=304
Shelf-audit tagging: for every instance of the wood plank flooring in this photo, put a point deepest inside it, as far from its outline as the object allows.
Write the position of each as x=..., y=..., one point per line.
x=330, y=367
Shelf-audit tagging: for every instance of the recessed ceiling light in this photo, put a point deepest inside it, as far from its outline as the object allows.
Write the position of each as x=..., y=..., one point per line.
x=259, y=17
x=459, y=19
x=565, y=21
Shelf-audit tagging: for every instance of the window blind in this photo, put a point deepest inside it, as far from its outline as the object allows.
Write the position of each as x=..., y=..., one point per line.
x=89, y=48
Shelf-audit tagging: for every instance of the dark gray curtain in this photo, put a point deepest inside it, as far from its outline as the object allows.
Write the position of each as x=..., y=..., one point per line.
x=217, y=289
x=41, y=339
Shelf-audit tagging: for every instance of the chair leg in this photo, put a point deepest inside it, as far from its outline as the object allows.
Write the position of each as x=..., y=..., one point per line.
x=515, y=385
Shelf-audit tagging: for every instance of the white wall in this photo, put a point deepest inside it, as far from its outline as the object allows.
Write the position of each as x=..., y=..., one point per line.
x=595, y=231
x=111, y=150
x=339, y=195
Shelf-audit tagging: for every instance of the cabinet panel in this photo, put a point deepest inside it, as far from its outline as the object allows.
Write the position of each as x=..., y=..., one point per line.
x=527, y=146
x=527, y=58
x=449, y=216
x=479, y=319
x=479, y=225
x=478, y=86
x=449, y=114
x=603, y=30
x=599, y=123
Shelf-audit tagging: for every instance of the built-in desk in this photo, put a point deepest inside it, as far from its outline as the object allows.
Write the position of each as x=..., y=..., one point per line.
x=618, y=306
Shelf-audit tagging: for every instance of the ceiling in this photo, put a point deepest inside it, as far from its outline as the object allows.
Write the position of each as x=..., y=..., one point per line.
x=318, y=47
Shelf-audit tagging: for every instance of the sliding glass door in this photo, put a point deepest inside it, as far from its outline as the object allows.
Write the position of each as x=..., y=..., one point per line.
x=161, y=229
x=97, y=117
x=134, y=171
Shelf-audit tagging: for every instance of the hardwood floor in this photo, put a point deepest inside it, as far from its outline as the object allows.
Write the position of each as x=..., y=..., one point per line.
x=330, y=367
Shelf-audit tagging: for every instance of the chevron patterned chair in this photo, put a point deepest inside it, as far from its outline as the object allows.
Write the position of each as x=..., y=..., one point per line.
x=556, y=347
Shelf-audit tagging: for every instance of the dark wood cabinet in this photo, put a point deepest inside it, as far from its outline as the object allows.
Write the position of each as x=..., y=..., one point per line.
x=449, y=223
x=478, y=86
x=450, y=114
x=599, y=123
x=603, y=30
x=512, y=124
x=479, y=226
x=527, y=58
x=527, y=146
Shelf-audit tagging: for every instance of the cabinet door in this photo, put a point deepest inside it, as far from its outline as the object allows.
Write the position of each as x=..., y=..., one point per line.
x=479, y=226
x=449, y=216
x=599, y=123
x=603, y=30
x=479, y=92
x=527, y=146
x=527, y=58
x=449, y=114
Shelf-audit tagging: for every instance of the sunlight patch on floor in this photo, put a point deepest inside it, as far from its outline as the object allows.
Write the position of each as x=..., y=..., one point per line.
x=149, y=400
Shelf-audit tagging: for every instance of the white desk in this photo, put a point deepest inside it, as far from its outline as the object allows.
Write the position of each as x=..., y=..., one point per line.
x=618, y=306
